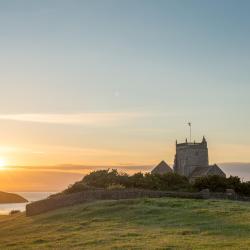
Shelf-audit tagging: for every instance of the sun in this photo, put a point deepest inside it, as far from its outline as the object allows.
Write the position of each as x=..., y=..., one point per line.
x=2, y=164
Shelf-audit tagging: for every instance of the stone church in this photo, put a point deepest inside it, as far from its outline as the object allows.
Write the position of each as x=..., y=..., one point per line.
x=191, y=160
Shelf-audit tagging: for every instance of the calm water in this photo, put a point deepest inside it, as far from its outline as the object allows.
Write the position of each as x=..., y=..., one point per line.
x=30, y=196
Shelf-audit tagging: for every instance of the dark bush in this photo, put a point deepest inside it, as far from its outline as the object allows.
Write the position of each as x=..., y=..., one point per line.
x=220, y=184
x=101, y=178
x=244, y=188
x=233, y=181
x=12, y=212
x=107, y=178
x=116, y=187
x=137, y=181
x=170, y=181
x=77, y=187
x=214, y=183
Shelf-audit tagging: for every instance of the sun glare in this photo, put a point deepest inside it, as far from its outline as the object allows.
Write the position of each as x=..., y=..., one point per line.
x=2, y=164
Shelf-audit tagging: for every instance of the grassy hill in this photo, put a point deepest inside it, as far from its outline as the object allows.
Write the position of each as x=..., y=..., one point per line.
x=165, y=223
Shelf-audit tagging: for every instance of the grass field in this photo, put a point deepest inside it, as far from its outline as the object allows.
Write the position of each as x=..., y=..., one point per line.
x=165, y=223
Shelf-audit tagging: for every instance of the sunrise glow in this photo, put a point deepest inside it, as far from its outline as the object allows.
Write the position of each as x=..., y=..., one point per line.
x=2, y=164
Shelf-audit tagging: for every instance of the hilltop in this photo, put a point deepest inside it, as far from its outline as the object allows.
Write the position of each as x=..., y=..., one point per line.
x=11, y=198
x=162, y=223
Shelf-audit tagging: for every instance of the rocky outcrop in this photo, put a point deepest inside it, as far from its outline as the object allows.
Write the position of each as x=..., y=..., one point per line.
x=11, y=198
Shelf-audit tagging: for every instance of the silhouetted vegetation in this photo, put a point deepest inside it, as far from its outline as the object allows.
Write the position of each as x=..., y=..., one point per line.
x=12, y=212
x=76, y=187
x=113, y=179
x=220, y=184
x=115, y=187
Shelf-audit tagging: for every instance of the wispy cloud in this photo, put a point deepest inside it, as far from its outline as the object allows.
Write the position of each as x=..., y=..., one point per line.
x=75, y=119
x=84, y=169
x=87, y=167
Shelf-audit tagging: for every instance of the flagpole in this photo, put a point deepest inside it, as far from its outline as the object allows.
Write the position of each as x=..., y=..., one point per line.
x=190, y=131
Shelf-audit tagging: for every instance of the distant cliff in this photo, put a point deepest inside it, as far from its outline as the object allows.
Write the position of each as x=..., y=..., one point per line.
x=11, y=198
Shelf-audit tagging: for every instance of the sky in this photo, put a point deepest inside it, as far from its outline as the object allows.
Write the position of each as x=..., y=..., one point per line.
x=114, y=83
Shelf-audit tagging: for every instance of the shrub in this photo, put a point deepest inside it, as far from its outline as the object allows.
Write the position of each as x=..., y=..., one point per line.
x=77, y=187
x=214, y=183
x=233, y=181
x=220, y=184
x=115, y=187
x=173, y=181
x=137, y=180
x=169, y=181
x=111, y=178
x=12, y=212
x=244, y=188
x=101, y=178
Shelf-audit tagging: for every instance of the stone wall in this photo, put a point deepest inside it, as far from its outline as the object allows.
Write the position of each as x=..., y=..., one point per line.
x=60, y=201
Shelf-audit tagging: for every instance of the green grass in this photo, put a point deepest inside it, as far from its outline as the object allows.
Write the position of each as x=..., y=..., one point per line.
x=165, y=223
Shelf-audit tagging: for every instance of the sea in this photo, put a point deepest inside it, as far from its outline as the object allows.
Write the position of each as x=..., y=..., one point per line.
x=30, y=196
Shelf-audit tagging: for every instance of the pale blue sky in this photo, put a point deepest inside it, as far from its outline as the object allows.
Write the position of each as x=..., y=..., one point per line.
x=158, y=63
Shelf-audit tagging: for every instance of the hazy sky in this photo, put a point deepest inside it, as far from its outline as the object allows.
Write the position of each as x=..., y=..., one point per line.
x=115, y=82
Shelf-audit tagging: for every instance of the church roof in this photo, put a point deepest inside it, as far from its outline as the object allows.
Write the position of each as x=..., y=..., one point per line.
x=162, y=168
x=205, y=171
x=199, y=171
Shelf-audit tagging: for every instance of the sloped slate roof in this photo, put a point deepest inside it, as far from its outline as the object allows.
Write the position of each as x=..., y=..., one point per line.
x=210, y=170
x=199, y=171
x=162, y=168
x=215, y=169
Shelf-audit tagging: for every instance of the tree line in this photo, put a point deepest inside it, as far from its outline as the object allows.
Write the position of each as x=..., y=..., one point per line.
x=112, y=179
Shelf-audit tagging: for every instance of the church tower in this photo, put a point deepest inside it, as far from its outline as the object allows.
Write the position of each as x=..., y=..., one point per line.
x=190, y=155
